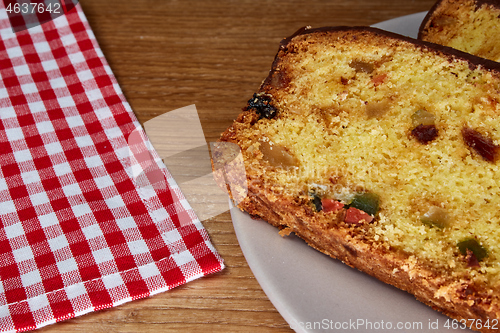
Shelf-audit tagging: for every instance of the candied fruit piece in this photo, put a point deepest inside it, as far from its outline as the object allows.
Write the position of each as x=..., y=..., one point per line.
x=362, y=66
x=316, y=201
x=379, y=79
x=331, y=205
x=377, y=109
x=482, y=145
x=357, y=216
x=425, y=133
x=277, y=155
x=367, y=202
x=471, y=259
x=471, y=246
x=262, y=105
x=423, y=117
x=436, y=217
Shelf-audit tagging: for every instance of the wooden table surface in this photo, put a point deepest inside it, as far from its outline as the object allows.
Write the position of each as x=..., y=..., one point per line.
x=167, y=54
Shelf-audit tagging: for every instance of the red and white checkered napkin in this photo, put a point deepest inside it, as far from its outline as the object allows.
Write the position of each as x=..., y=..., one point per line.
x=89, y=219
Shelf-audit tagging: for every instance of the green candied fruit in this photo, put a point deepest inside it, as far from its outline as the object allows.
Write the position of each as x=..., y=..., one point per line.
x=367, y=202
x=435, y=217
x=430, y=223
x=422, y=117
x=472, y=245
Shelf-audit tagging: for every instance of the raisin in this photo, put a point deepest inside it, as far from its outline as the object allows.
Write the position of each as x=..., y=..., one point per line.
x=482, y=145
x=262, y=105
x=425, y=133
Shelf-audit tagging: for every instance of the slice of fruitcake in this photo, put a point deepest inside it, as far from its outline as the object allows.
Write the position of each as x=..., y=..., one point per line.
x=381, y=151
x=471, y=26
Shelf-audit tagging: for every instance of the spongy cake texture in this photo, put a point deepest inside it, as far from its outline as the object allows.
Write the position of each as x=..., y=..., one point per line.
x=345, y=105
x=471, y=26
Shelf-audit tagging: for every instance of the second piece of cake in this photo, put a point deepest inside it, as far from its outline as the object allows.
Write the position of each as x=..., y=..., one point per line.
x=472, y=26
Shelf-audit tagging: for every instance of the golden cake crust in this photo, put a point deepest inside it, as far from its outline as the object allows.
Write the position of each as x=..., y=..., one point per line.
x=288, y=206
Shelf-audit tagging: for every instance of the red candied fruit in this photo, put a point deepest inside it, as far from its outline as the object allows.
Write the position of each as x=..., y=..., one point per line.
x=357, y=216
x=331, y=205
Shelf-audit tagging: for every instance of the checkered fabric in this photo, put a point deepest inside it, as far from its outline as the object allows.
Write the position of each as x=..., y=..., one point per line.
x=89, y=216
x=25, y=14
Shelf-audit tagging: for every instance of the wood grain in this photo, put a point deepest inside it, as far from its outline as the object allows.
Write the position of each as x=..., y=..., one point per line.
x=214, y=54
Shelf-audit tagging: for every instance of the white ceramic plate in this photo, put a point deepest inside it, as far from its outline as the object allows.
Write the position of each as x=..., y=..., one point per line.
x=315, y=293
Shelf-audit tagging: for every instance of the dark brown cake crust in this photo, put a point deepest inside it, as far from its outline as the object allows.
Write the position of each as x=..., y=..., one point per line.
x=473, y=61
